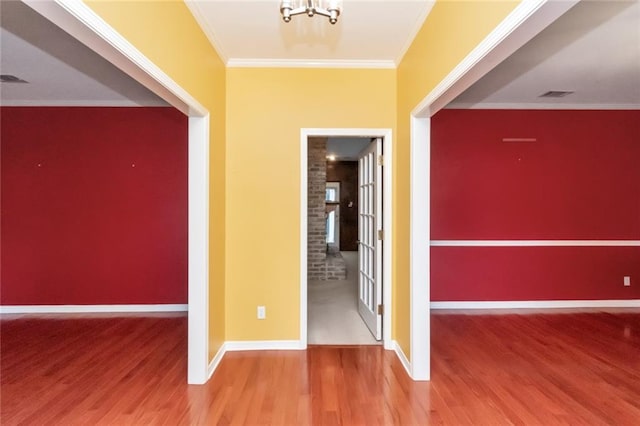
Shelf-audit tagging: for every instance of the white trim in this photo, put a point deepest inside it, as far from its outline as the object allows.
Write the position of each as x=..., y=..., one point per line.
x=387, y=243
x=217, y=358
x=420, y=220
x=89, y=309
x=402, y=357
x=202, y=21
x=521, y=25
x=264, y=345
x=310, y=63
x=83, y=103
x=198, y=266
x=387, y=149
x=304, y=179
x=543, y=106
x=537, y=304
x=414, y=32
x=534, y=243
x=82, y=23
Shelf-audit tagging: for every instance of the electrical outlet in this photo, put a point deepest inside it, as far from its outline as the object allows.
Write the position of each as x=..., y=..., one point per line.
x=262, y=312
x=627, y=281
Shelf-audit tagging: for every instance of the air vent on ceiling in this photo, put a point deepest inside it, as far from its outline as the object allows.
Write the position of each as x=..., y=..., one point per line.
x=8, y=78
x=555, y=94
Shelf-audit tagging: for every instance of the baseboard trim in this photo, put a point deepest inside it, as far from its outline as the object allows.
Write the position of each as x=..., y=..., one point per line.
x=216, y=360
x=88, y=309
x=264, y=345
x=402, y=357
x=538, y=304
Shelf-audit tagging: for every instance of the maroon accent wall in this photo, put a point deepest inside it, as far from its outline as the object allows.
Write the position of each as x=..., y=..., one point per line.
x=580, y=180
x=94, y=206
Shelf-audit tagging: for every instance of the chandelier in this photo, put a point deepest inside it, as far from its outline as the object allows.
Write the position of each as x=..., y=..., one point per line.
x=329, y=8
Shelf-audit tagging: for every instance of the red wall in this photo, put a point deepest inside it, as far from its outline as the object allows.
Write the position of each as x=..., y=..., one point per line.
x=580, y=180
x=94, y=206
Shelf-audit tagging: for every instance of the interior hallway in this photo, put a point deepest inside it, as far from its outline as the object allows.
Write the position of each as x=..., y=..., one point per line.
x=333, y=310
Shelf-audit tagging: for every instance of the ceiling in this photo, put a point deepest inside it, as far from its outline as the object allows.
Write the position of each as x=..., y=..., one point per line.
x=59, y=69
x=346, y=148
x=593, y=50
x=369, y=33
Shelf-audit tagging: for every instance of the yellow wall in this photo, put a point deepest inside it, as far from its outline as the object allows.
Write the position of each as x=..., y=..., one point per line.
x=167, y=34
x=451, y=31
x=266, y=108
x=256, y=119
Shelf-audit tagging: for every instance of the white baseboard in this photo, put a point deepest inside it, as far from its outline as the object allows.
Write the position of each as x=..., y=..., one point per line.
x=87, y=309
x=264, y=345
x=538, y=304
x=403, y=358
x=216, y=360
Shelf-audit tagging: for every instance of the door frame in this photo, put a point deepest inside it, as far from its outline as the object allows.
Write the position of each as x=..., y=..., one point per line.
x=387, y=189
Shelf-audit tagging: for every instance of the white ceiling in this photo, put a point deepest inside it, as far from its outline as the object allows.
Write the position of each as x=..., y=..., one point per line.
x=592, y=50
x=368, y=32
x=59, y=69
x=346, y=148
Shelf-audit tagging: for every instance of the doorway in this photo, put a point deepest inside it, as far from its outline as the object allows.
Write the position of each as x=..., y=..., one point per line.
x=344, y=314
x=342, y=277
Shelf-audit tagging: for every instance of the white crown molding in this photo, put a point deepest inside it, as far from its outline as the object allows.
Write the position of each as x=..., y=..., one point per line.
x=310, y=63
x=90, y=309
x=534, y=243
x=80, y=103
x=537, y=304
x=543, y=106
x=264, y=345
x=199, y=16
x=414, y=32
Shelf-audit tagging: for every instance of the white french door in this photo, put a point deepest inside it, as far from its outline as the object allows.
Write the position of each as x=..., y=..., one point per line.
x=369, y=245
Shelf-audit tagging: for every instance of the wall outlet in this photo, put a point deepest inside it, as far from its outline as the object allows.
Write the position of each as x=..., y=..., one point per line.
x=262, y=312
x=627, y=281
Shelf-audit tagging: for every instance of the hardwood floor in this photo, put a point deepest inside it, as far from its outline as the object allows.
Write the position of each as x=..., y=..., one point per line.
x=577, y=369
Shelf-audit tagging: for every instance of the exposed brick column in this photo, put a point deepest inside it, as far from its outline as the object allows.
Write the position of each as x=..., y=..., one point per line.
x=316, y=189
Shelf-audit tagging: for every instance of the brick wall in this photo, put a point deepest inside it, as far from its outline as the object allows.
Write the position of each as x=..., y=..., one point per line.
x=317, y=180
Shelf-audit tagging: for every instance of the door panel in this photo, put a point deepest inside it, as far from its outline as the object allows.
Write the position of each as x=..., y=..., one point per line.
x=369, y=247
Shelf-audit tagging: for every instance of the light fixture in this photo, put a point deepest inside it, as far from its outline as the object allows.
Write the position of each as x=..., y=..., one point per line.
x=329, y=8
x=331, y=157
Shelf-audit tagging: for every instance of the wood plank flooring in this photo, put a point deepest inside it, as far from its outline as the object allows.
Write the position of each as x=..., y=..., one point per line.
x=574, y=369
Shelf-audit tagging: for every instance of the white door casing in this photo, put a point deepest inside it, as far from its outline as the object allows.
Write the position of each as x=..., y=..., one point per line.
x=387, y=140
x=369, y=245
